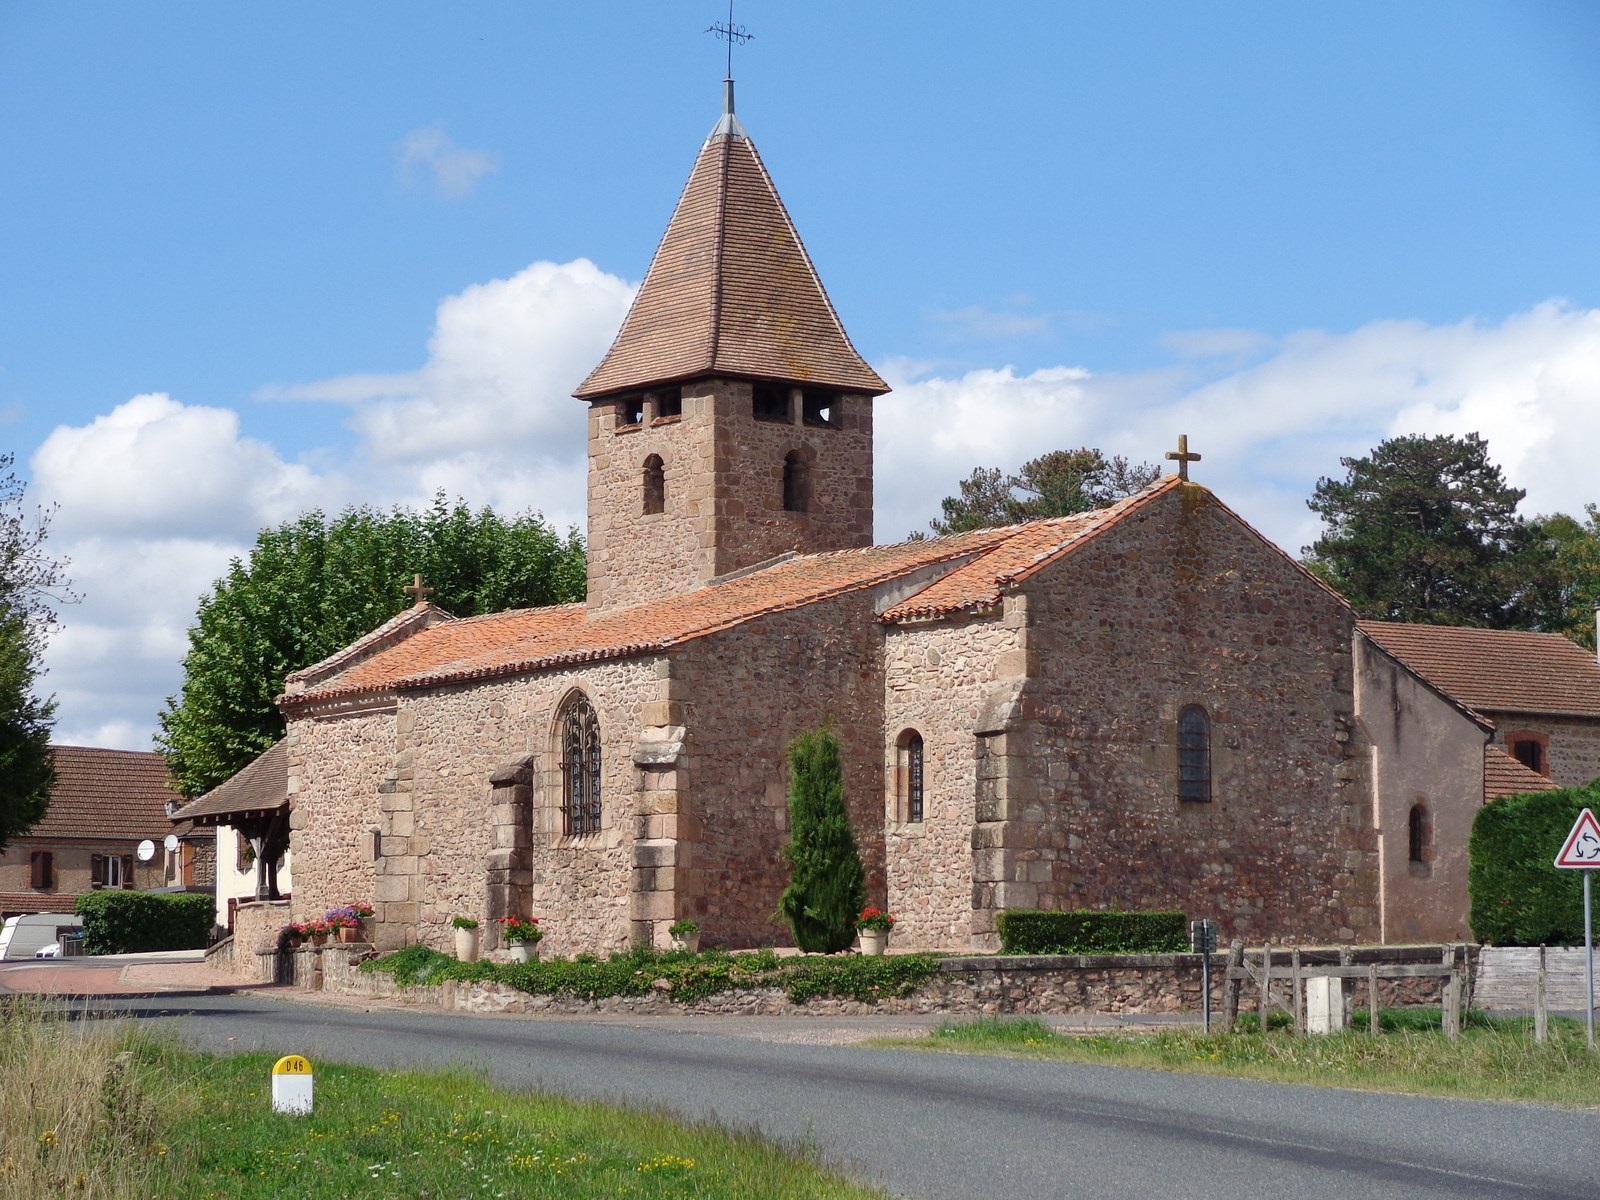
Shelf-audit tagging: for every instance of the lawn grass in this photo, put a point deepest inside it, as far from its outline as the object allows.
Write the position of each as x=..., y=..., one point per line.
x=111, y=1112
x=1496, y=1058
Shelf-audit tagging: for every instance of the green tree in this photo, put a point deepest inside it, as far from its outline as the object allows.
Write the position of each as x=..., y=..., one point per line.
x=827, y=886
x=1057, y=484
x=31, y=585
x=26, y=771
x=1576, y=545
x=1425, y=529
x=313, y=586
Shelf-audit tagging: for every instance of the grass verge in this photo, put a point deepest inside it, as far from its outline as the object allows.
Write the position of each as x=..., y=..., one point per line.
x=1496, y=1058
x=686, y=976
x=110, y=1112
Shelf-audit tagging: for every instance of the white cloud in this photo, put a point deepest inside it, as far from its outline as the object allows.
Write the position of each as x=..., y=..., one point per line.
x=455, y=170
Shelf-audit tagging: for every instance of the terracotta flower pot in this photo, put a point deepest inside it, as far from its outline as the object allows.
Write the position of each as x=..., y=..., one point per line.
x=319, y=939
x=349, y=933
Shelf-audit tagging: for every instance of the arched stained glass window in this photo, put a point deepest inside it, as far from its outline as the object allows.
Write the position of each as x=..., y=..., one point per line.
x=908, y=775
x=1194, y=753
x=580, y=768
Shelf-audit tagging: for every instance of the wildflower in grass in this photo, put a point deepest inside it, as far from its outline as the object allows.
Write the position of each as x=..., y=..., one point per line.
x=48, y=1139
x=665, y=1162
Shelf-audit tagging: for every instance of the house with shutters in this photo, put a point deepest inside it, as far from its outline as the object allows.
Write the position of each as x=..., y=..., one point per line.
x=104, y=804
x=1145, y=706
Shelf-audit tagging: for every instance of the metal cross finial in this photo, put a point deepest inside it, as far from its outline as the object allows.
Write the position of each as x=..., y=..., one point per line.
x=731, y=33
x=418, y=593
x=1183, y=456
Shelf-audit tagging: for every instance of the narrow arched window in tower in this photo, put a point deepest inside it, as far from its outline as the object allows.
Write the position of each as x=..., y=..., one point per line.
x=1418, y=831
x=580, y=768
x=655, y=485
x=1194, y=753
x=796, y=482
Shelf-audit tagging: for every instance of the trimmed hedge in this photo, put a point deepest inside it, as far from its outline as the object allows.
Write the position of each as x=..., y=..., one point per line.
x=119, y=922
x=1082, y=931
x=1519, y=896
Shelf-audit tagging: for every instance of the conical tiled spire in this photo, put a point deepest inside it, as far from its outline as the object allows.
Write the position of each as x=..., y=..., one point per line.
x=731, y=290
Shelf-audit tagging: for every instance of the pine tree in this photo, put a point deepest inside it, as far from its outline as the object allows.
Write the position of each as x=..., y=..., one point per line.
x=827, y=886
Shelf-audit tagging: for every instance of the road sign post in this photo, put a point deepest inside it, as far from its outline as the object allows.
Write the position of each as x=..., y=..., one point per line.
x=1203, y=938
x=1581, y=852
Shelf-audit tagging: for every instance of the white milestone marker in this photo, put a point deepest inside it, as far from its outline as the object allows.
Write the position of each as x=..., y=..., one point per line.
x=291, y=1085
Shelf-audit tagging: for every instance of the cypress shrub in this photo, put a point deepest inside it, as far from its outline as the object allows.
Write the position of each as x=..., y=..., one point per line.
x=1082, y=931
x=827, y=886
x=1519, y=896
x=119, y=922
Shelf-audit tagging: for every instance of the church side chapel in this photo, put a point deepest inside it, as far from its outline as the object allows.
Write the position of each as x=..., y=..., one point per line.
x=1146, y=706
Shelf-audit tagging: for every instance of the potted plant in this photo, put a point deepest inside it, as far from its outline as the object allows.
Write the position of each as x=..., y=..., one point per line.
x=685, y=934
x=291, y=935
x=874, y=925
x=521, y=936
x=317, y=932
x=344, y=923
x=466, y=938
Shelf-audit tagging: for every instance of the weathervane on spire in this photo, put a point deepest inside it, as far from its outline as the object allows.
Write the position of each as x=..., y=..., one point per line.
x=731, y=33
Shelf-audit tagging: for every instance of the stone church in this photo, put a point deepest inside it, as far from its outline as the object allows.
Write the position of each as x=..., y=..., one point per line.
x=1145, y=706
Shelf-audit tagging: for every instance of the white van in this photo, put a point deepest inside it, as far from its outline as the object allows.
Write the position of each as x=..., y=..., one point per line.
x=24, y=936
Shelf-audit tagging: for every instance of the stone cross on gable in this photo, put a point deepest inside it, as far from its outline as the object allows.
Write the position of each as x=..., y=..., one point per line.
x=1183, y=456
x=418, y=593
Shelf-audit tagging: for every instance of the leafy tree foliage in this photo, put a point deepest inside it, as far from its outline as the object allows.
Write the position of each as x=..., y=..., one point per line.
x=1057, y=484
x=1425, y=529
x=828, y=886
x=1576, y=545
x=26, y=771
x=31, y=585
x=313, y=586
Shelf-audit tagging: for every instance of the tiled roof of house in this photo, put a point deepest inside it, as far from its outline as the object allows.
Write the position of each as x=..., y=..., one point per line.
x=259, y=787
x=1505, y=776
x=979, y=564
x=731, y=291
x=110, y=795
x=1496, y=670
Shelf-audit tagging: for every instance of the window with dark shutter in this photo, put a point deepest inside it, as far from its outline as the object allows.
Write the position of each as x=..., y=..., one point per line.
x=41, y=870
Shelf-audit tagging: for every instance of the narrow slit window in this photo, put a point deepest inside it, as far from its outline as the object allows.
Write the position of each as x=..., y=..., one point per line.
x=655, y=485
x=1194, y=754
x=1418, y=833
x=796, y=483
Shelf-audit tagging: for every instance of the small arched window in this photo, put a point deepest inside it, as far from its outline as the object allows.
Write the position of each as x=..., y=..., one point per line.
x=908, y=775
x=1418, y=833
x=1194, y=753
x=655, y=485
x=796, y=482
x=580, y=768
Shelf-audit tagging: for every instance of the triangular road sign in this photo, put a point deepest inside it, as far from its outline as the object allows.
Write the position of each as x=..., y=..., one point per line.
x=1582, y=847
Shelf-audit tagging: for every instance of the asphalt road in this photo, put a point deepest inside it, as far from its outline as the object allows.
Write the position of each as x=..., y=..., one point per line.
x=937, y=1126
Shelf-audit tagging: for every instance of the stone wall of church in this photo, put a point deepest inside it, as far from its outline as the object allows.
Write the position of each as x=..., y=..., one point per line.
x=439, y=836
x=335, y=768
x=723, y=474
x=634, y=556
x=939, y=679
x=1182, y=604
x=747, y=693
x=1573, y=749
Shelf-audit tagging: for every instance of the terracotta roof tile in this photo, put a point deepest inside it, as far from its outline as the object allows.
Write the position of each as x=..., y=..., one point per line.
x=731, y=291
x=1496, y=670
x=980, y=562
x=1026, y=550
x=1505, y=776
x=107, y=794
x=260, y=786
x=37, y=902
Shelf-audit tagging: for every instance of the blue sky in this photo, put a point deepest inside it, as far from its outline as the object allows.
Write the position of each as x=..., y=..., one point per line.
x=258, y=258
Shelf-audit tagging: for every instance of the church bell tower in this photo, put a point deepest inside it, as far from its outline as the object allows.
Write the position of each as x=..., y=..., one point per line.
x=731, y=420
